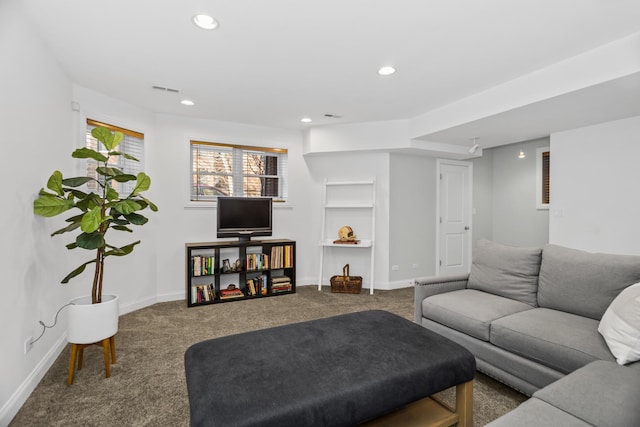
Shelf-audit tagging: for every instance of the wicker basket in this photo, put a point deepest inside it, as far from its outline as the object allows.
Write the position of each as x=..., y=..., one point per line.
x=346, y=284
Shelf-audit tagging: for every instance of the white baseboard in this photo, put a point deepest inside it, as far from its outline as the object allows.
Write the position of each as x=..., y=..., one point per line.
x=137, y=305
x=175, y=296
x=15, y=402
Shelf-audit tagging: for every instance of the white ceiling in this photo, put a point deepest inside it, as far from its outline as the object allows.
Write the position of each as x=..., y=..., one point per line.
x=273, y=62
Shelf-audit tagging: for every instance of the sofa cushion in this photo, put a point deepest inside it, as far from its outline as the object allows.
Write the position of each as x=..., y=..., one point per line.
x=469, y=311
x=536, y=413
x=583, y=283
x=562, y=341
x=620, y=325
x=601, y=393
x=508, y=271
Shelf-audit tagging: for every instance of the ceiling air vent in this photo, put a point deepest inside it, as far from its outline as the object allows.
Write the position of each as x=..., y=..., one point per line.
x=166, y=89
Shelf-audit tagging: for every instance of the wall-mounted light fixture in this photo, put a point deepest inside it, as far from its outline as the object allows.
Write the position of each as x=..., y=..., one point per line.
x=522, y=155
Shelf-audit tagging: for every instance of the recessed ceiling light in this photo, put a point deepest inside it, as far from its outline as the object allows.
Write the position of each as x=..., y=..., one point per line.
x=187, y=102
x=205, y=22
x=386, y=71
x=306, y=120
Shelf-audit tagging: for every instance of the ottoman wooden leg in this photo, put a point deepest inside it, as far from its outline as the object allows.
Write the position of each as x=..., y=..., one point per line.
x=464, y=404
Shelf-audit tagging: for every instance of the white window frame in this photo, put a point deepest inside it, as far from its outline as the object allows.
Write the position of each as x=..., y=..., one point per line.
x=237, y=169
x=539, y=153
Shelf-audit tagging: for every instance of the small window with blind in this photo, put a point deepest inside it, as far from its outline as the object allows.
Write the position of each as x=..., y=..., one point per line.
x=543, y=183
x=132, y=143
x=234, y=170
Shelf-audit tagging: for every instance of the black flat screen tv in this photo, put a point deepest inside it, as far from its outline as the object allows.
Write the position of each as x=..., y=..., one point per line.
x=244, y=217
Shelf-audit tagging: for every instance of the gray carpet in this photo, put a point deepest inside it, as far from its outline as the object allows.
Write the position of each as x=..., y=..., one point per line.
x=147, y=385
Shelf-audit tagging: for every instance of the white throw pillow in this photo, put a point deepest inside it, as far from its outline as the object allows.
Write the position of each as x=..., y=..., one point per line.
x=620, y=325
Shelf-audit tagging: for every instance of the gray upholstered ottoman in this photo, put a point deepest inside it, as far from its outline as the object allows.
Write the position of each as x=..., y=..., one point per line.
x=337, y=371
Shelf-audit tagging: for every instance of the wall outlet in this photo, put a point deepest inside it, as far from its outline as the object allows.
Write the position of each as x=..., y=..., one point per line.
x=28, y=345
x=395, y=267
x=414, y=266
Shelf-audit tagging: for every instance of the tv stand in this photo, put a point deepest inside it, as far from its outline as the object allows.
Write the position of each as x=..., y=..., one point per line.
x=238, y=270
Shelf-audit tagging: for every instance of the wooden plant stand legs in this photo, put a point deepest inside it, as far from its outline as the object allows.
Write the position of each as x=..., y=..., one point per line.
x=77, y=352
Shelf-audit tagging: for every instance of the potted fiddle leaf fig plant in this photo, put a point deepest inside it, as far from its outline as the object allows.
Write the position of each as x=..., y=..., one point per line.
x=92, y=214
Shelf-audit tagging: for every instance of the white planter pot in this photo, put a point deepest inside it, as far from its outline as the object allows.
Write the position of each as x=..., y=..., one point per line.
x=89, y=323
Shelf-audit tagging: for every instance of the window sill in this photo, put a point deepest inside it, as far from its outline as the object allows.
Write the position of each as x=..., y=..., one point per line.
x=213, y=205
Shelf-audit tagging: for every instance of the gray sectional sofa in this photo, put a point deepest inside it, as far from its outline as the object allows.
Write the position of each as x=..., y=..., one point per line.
x=531, y=316
x=601, y=393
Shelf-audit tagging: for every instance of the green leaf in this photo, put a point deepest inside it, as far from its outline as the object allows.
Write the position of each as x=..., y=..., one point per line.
x=125, y=155
x=89, y=202
x=112, y=194
x=75, y=218
x=55, y=183
x=71, y=246
x=143, y=183
x=109, y=139
x=152, y=206
x=69, y=227
x=127, y=206
x=88, y=153
x=77, y=181
x=122, y=228
x=124, y=178
x=76, y=272
x=122, y=251
x=90, y=240
x=109, y=171
x=49, y=205
x=77, y=193
x=91, y=220
x=136, y=219
x=119, y=221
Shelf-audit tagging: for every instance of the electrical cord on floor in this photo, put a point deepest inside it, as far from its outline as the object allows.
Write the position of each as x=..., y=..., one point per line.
x=55, y=321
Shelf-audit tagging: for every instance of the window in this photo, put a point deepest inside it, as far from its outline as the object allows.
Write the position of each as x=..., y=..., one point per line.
x=543, y=181
x=234, y=170
x=132, y=143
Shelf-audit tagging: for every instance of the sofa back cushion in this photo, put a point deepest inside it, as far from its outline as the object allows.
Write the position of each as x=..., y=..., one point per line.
x=584, y=283
x=507, y=271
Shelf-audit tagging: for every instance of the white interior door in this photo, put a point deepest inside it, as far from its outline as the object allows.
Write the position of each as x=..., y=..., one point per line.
x=454, y=222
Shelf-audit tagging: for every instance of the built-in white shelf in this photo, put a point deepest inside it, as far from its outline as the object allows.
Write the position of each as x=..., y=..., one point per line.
x=360, y=244
x=364, y=194
x=349, y=206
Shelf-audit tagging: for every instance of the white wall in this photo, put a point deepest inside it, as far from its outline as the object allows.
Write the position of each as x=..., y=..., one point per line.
x=412, y=217
x=595, y=198
x=509, y=184
x=36, y=138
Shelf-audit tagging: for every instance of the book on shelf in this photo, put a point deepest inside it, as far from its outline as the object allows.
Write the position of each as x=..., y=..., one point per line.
x=282, y=257
x=251, y=287
x=202, y=265
x=281, y=279
x=202, y=293
x=231, y=292
x=257, y=261
x=281, y=287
